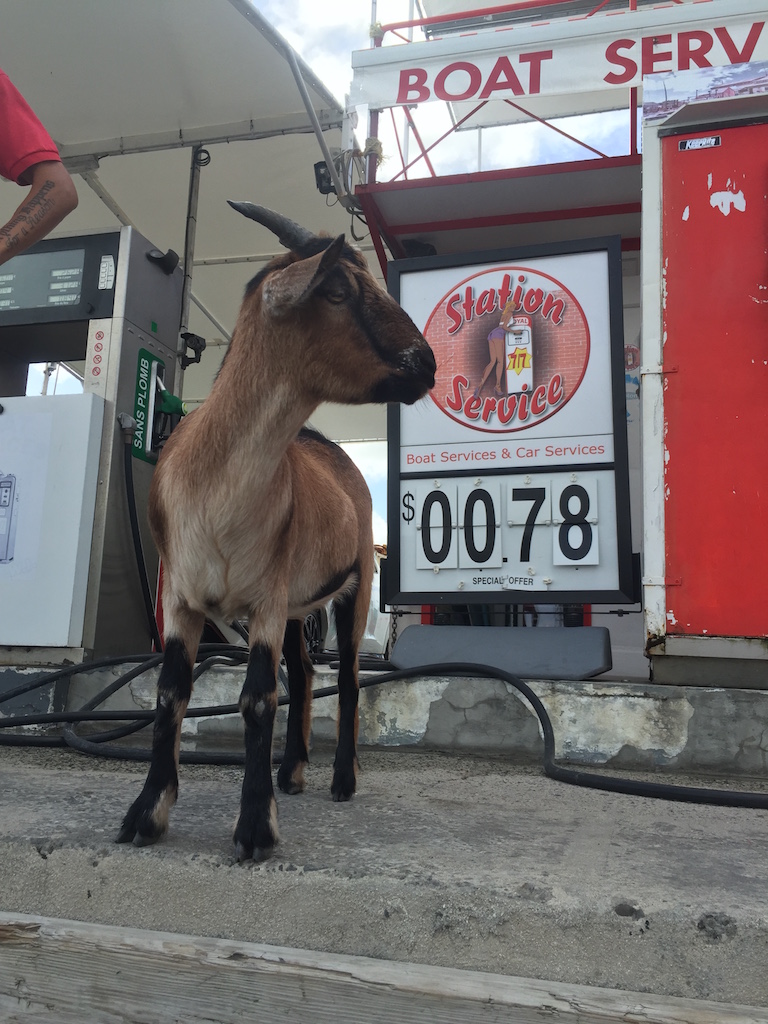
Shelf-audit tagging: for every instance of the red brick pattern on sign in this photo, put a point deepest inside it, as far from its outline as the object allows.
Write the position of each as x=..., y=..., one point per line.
x=562, y=349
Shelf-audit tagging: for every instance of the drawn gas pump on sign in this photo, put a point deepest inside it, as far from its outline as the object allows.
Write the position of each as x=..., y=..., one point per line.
x=8, y=515
x=518, y=351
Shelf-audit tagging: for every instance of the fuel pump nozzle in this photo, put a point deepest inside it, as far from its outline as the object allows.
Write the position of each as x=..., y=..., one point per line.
x=168, y=403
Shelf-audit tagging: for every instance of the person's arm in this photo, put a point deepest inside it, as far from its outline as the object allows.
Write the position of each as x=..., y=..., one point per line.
x=52, y=195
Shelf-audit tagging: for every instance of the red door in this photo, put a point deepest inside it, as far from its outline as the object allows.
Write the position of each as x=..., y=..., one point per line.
x=715, y=256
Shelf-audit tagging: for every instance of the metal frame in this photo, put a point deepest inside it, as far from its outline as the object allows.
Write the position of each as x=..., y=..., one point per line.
x=620, y=466
x=384, y=233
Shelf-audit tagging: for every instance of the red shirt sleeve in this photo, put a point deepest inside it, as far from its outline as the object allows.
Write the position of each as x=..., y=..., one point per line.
x=23, y=140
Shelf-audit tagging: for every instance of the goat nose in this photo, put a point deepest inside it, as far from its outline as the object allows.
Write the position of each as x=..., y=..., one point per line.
x=427, y=359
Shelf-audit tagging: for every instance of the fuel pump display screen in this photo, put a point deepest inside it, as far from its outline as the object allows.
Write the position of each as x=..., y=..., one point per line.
x=59, y=280
x=42, y=279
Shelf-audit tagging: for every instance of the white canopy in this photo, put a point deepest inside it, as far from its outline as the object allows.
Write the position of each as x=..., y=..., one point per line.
x=127, y=89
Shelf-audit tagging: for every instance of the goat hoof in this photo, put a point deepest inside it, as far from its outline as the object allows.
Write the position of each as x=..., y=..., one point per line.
x=343, y=786
x=245, y=853
x=147, y=818
x=130, y=834
x=126, y=834
x=290, y=778
x=256, y=834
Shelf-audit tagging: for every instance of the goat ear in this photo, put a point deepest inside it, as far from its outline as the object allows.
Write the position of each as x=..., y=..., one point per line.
x=292, y=286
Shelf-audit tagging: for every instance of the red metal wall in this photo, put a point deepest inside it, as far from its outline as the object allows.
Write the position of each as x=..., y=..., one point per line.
x=715, y=254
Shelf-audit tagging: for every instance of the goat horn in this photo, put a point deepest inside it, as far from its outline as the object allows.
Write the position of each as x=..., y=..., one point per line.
x=290, y=234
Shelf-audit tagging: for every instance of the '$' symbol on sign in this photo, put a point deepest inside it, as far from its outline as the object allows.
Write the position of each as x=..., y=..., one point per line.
x=409, y=512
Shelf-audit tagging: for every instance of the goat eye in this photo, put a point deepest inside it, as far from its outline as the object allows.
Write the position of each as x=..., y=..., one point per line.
x=336, y=295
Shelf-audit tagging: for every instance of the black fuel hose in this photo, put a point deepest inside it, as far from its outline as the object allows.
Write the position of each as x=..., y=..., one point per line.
x=146, y=595
x=97, y=745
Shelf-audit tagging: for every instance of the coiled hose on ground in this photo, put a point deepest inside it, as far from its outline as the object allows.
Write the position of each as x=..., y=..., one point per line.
x=102, y=744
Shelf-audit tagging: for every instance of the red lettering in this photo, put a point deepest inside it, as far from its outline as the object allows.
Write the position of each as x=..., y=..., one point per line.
x=539, y=400
x=453, y=316
x=626, y=63
x=518, y=296
x=533, y=299
x=502, y=77
x=553, y=309
x=455, y=400
x=486, y=303
x=555, y=390
x=504, y=291
x=688, y=54
x=488, y=408
x=467, y=306
x=460, y=65
x=740, y=56
x=535, y=59
x=506, y=408
x=522, y=405
x=413, y=86
x=650, y=57
x=472, y=407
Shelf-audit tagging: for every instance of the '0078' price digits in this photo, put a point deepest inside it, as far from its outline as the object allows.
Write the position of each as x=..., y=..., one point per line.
x=474, y=515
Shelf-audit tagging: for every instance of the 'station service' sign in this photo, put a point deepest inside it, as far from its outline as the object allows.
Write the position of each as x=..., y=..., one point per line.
x=509, y=482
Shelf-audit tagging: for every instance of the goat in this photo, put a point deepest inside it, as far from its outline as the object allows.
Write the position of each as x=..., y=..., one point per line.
x=255, y=518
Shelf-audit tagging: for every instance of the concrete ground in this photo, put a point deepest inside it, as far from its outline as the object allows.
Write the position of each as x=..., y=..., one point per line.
x=445, y=859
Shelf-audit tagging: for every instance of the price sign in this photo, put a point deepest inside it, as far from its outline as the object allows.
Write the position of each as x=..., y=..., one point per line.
x=509, y=481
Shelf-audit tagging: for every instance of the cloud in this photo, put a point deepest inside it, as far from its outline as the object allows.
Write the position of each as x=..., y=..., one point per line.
x=325, y=34
x=370, y=457
x=379, y=528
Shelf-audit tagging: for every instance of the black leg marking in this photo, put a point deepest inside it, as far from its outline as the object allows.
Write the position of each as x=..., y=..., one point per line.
x=290, y=775
x=147, y=818
x=345, y=763
x=256, y=830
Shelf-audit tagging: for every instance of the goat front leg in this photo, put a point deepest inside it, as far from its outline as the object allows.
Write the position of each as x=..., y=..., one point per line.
x=256, y=829
x=147, y=817
x=290, y=775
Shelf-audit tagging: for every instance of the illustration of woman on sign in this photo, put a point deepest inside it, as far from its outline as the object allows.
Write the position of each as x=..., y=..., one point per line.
x=496, y=341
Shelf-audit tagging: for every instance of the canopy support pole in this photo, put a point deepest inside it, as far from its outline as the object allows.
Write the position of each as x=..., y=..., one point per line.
x=199, y=159
x=92, y=179
x=346, y=200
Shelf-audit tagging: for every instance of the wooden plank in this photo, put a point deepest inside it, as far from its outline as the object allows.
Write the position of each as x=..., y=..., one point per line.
x=60, y=971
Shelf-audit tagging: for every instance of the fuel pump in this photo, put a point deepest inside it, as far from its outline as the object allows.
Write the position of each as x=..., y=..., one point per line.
x=108, y=304
x=519, y=354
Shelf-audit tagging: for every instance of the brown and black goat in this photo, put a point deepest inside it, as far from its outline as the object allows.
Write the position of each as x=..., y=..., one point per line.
x=255, y=517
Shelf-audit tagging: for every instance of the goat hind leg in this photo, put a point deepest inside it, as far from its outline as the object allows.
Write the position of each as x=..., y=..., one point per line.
x=147, y=817
x=345, y=763
x=290, y=775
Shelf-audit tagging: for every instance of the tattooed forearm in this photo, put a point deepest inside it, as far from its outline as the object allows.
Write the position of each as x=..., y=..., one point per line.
x=51, y=196
x=28, y=217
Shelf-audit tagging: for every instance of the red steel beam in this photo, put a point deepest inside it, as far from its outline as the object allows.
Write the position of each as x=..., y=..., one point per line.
x=559, y=131
x=480, y=12
x=537, y=170
x=496, y=220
